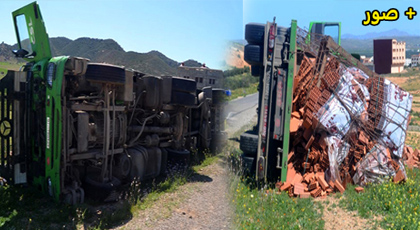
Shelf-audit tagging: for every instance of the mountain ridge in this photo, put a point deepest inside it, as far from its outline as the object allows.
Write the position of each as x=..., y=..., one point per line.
x=106, y=51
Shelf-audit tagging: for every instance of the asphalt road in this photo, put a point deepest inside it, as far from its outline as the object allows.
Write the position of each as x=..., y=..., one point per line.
x=239, y=112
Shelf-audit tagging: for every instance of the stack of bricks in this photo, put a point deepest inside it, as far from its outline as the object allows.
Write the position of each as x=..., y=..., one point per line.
x=311, y=184
x=309, y=157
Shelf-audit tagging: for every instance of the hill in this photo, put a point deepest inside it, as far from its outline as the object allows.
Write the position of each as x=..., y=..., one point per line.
x=106, y=51
x=234, y=56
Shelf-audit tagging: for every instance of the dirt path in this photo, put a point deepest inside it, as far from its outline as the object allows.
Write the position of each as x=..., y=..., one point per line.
x=336, y=217
x=201, y=204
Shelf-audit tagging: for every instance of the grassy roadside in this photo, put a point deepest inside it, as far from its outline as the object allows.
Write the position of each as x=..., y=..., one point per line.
x=240, y=82
x=10, y=66
x=397, y=205
x=262, y=208
x=27, y=208
x=241, y=92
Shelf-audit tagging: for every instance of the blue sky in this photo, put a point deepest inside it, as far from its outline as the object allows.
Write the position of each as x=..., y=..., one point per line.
x=349, y=12
x=180, y=29
x=196, y=29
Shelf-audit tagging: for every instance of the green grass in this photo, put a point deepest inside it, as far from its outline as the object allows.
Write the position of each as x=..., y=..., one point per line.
x=241, y=85
x=11, y=66
x=411, y=72
x=411, y=84
x=259, y=209
x=25, y=207
x=28, y=208
x=255, y=208
x=399, y=204
x=241, y=92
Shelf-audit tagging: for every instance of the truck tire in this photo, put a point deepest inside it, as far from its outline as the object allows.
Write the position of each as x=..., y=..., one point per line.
x=256, y=70
x=249, y=143
x=248, y=165
x=182, y=98
x=254, y=33
x=184, y=85
x=253, y=54
x=105, y=73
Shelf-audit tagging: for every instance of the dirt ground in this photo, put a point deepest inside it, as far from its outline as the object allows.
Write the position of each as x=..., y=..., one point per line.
x=201, y=204
x=235, y=56
x=398, y=80
x=336, y=217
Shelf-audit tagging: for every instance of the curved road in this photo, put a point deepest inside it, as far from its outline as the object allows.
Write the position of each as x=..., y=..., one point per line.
x=239, y=112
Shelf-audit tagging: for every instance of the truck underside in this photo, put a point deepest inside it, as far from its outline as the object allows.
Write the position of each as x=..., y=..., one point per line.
x=100, y=125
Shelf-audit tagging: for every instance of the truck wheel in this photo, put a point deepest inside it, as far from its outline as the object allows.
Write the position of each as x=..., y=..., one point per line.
x=184, y=85
x=249, y=143
x=182, y=98
x=205, y=134
x=253, y=54
x=105, y=73
x=255, y=70
x=248, y=165
x=254, y=33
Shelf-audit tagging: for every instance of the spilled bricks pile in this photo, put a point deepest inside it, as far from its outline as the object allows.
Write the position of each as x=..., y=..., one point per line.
x=411, y=157
x=346, y=127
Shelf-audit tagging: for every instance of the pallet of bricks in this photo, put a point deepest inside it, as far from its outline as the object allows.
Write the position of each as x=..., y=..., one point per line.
x=346, y=127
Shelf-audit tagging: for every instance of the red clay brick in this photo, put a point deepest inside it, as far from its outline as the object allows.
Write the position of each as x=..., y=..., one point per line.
x=305, y=195
x=298, y=189
x=297, y=179
x=416, y=153
x=313, y=186
x=315, y=193
x=363, y=138
x=307, y=134
x=339, y=187
x=331, y=183
x=308, y=177
x=285, y=186
x=291, y=172
x=296, y=114
x=399, y=177
x=311, y=140
x=359, y=189
x=322, y=182
x=295, y=123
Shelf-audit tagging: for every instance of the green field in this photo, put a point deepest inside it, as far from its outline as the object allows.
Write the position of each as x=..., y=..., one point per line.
x=10, y=66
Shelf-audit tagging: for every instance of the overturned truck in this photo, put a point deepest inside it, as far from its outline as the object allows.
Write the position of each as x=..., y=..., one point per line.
x=325, y=119
x=67, y=124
